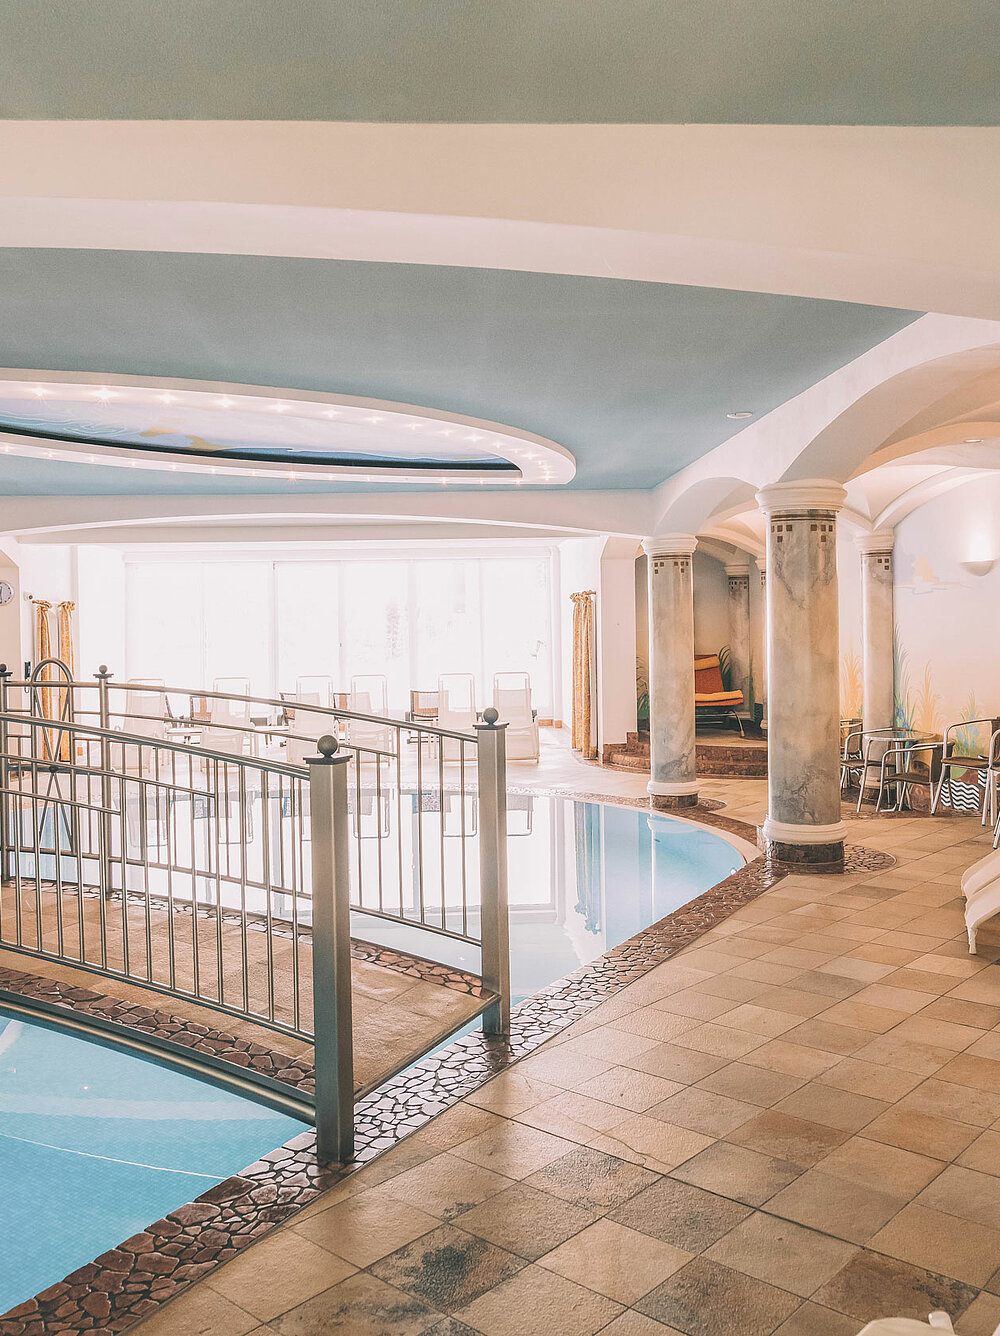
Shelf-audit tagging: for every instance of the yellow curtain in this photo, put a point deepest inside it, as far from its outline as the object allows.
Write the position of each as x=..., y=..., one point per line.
x=43, y=650
x=583, y=673
x=65, y=611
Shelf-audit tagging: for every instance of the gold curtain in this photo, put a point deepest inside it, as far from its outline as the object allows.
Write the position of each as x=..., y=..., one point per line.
x=583, y=674
x=65, y=611
x=43, y=651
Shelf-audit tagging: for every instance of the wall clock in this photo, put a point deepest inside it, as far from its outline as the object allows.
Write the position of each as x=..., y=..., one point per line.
x=6, y=592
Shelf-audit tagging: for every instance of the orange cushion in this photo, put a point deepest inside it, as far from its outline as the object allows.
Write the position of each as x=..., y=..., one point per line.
x=708, y=679
x=718, y=698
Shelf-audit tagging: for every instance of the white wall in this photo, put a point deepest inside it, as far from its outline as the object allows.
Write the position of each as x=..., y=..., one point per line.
x=47, y=573
x=11, y=644
x=616, y=632
x=947, y=628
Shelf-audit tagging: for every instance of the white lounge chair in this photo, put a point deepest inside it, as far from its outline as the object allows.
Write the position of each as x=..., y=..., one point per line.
x=369, y=696
x=512, y=701
x=981, y=888
x=456, y=710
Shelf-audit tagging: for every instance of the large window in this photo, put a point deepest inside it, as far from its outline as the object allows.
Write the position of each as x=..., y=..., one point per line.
x=410, y=619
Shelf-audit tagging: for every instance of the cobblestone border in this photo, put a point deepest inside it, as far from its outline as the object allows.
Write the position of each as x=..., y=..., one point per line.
x=131, y=1281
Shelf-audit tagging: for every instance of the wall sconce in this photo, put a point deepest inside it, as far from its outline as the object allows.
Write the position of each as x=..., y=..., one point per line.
x=981, y=559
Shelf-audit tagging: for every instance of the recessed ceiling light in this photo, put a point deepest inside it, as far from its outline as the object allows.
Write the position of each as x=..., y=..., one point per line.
x=166, y=398
x=973, y=440
x=742, y=413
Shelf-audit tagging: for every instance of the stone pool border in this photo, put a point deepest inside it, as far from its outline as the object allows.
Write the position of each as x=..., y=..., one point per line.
x=131, y=1281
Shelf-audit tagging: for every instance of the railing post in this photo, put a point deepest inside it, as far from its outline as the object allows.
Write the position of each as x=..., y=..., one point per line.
x=106, y=845
x=494, y=929
x=331, y=952
x=5, y=767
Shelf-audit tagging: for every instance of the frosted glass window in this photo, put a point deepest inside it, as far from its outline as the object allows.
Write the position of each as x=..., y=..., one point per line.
x=445, y=622
x=377, y=626
x=237, y=616
x=164, y=627
x=516, y=621
x=308, y=622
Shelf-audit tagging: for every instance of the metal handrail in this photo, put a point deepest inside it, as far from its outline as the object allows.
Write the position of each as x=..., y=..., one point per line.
x=334, y=712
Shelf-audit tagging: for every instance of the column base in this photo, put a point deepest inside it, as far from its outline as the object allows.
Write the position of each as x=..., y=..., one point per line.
x=672, y=802
x=669, y=795
x=805, y=846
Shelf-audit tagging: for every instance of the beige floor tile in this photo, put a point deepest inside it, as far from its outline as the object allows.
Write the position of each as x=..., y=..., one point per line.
x=511, y=1093
x=797, y=1140
x=610, y=1042
x=886, y=1168
x=526, y=1221
x=362, y=1305
x=200, y=1312
x=965, y=1193
x=759, y=1020
x=649, y=1141
x=572, y=1109
x=832, y=1106
x=704, y=1111
x=835, y=1205
x=537, y=1302
x=983, y=1154
x=681, y=1214
x=615, y=1261
x=738, y=1173
x=940, y=1138
x=716, y=1038
x=981, y=1318
x=863, y=1016
x=445, y=1186
x=653, y=1024
x=681, y=1065
x=893, y=1051
x=968, y=1069
x=697, y=1006
x=279, y=1272
x=780, y=1055
x=782, y=1253
x=813, y=1320
x=366, y=1227
x=750, y=1084
x=943, y=1034
x=565, y=1070
x=869, y=1078
x=893, y=994
x=793, y=1000
x=632, y=1323
x=831, y=1036
x=706, y=1298
x=456, y=1125
x=513, y=1149
x=629, y=1089
x=942, y=1099
x=928, y=1238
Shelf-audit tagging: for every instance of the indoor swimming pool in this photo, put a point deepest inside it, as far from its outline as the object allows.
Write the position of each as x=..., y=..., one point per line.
x=97, y=1141
x=582, y=877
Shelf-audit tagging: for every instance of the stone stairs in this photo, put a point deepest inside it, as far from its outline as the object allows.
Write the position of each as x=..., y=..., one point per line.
x=740, y=757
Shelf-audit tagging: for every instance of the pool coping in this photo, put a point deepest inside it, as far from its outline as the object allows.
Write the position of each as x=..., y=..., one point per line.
x=133, y=1280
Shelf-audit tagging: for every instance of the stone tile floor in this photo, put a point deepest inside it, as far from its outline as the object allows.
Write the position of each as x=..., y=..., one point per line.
x=791, y=1127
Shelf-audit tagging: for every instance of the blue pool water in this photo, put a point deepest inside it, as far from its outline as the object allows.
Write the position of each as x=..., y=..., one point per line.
x=582, y=878
x=96, y=1142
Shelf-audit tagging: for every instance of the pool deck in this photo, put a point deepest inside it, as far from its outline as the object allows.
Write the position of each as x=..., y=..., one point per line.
x=793, y=1125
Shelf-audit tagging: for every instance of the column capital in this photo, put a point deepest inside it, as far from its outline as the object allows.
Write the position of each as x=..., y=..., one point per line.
x=875, y=542
x=738, y=568
x=761, y=564
x=802, y=494
x=670, y=545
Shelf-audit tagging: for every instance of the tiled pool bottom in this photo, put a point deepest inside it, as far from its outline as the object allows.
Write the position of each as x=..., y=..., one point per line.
x=583, y=877
x=96, y=1141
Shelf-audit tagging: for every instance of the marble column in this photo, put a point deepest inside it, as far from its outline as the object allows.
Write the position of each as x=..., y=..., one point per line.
x=738, y=581
x=879, y=694
x=672, y=781
x=758, y=658
x=803, y=740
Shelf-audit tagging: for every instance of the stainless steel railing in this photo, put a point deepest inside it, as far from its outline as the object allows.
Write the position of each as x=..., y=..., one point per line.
x=229, y=879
